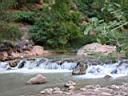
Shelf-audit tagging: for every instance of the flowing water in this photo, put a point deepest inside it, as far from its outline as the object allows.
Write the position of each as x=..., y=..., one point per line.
x=44, y=65
x=13, y=79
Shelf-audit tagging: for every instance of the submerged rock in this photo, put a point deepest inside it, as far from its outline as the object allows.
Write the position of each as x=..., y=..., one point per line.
x=80, y=69
x=21, y=64
x=114, y=87
x=13, y=63
x=71, y=88
x=47, y=91
x=38, y=79
x=107, y=76
x=58, y=92
x=56, y=89
x=70, y=83
x=105, y=94
x=51, y=91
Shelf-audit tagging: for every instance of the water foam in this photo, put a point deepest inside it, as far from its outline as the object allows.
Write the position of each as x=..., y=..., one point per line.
x=41, y=65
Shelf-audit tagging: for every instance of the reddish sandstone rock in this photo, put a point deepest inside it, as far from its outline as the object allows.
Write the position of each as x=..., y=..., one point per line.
x=38, y=50
x=16, y=55
x=96, y=48
x=30, y=52
x=38, y=79
x=3, y=55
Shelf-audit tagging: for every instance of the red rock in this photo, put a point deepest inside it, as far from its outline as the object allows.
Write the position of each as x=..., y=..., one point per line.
x=3, y=55
x=96, y=48
x=38, y=50
x=38, y=79
x=15, y=55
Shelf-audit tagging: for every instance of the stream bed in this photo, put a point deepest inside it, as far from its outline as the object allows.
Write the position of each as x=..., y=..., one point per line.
x=14, y=84
x=13, y=79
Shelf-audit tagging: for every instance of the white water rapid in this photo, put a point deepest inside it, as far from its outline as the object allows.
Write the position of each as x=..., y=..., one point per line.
x=43, y=65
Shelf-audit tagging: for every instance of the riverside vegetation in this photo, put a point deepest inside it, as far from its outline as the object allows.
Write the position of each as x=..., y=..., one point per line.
x=66, y=24
x=100, y=25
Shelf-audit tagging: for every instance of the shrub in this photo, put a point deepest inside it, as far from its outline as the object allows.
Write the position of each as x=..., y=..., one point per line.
x=110, y=32
x=9, y=32
x=23, y=16
x=58, y=26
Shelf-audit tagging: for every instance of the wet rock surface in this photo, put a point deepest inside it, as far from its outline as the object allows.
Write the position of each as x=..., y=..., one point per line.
x=80, y=69
x=50, y=91
x=93, y=90
x=38, y=79
x=70, y=85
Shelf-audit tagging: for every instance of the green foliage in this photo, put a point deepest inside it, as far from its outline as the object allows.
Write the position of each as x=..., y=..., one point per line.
x=50, y=2
x=6, y=13
x=110, y=32
x=6, y=4
x=84, y=6
x=108, y=58
x=58, y=26
x=92, y=8
x=21, y=3
x=23, y=16
x=9, y=32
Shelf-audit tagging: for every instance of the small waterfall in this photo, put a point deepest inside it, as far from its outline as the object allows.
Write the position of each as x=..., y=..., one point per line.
x=44, y=65
x=101, y=71
x=38, y=65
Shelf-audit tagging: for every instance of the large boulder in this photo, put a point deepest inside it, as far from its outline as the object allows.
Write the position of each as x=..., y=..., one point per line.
x=96, y=48
x=38, y=50
x=38, y=79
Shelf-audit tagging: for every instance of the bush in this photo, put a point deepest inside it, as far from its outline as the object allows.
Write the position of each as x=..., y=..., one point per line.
x=58, y=26
x=9, y=32
x=110, y=32
x=23, y=16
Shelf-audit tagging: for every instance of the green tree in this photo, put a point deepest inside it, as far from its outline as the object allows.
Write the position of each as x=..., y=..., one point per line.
x=58, y=25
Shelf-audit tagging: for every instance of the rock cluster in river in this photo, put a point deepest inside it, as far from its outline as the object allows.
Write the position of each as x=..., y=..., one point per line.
x=69, y=86
x=50, y=91
x=91, y=90
x=97, y=90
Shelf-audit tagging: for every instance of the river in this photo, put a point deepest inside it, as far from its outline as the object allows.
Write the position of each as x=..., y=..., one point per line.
x=13, y=80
